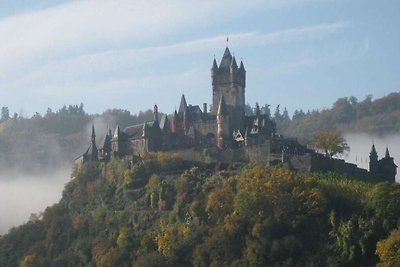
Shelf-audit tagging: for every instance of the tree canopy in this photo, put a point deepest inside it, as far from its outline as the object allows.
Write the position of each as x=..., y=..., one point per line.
x=331, y=142
x=137, y=213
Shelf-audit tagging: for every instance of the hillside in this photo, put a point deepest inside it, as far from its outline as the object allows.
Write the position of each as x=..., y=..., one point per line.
x=376, y=117
x=162, y=211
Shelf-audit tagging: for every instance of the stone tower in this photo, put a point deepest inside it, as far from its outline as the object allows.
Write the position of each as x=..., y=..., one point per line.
x=229, y=81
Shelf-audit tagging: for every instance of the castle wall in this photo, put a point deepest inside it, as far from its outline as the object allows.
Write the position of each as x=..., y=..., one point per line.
x=324, y=164
x=258, y=153
x=206, y=127
x=301, y=162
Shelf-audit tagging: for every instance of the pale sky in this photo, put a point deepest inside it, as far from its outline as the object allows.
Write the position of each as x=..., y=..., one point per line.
x=302, y=54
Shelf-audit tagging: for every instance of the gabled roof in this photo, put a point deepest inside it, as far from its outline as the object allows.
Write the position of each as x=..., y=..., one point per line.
x=141, y=130
x=134, y=131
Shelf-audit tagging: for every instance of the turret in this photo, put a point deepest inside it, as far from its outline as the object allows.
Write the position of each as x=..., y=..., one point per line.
x=373, y=161
x=387, y=168
x=214, y=68
x=182, y=105
x=93, y=153
x=387, y=155
x=234, y=66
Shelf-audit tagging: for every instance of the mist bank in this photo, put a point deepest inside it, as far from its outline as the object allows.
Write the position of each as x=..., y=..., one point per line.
x=22, y=194
x=360, y=147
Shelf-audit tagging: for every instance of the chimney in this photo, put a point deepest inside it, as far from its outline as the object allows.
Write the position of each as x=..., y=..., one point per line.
x=205, y=108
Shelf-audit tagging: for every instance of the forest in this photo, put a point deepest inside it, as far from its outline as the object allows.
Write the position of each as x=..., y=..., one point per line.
x=163, y=211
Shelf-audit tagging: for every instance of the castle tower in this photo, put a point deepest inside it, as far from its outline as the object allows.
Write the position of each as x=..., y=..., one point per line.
x=229, y=81
x=93, y=152
x=387, y=168
x=223, y=129
x=373, y=161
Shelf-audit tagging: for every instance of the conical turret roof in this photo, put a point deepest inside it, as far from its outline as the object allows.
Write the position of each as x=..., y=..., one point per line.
x=387, y=154
x=241, y=68
x=183, y=105
x=373, y=151
x=226, y=59
x=234, y=64
x=214, y=65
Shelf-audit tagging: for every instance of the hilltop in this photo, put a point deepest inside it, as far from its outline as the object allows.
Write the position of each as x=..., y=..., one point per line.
x=377, y=117
x=162, y=211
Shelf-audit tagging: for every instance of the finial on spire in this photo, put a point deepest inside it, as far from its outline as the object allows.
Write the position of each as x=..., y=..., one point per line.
x=227, y=41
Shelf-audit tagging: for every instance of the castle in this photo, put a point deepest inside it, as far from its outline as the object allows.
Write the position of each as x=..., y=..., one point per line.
x=225, y=132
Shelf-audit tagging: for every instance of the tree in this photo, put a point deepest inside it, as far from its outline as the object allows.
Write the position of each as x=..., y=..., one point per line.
x=5, y=114
x=277, y=114
x=388, y=249
x=331, y=142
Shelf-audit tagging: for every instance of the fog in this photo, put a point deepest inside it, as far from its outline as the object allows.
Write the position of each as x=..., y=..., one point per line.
x=360, y=147
x=21, y=195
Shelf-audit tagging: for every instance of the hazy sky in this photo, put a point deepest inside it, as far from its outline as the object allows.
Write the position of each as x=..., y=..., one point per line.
x=132, y=54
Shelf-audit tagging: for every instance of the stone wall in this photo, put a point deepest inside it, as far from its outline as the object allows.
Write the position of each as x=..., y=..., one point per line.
x=258, y=153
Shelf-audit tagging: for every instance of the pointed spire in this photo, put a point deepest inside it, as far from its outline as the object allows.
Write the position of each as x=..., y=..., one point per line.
x=214, y=65
x=93, y=134
x=183, y=105
x=241, y=68
x=373, y=150
x=387, y=155
x=222, y=110
x=234, y=65
x=226, y=59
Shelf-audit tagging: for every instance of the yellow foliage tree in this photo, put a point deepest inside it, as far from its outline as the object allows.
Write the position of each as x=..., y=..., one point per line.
x=388, y=250
x=331, y=142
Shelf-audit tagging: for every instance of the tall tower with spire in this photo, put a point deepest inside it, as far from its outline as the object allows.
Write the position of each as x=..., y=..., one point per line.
x=229, y=81
x=93, y=152
x=373, y=161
